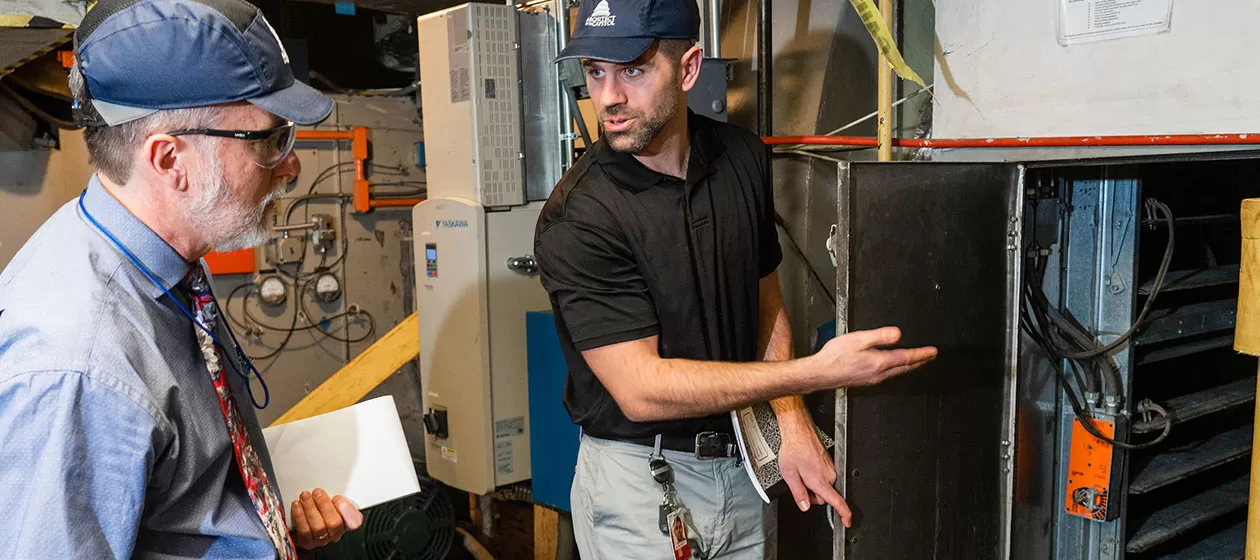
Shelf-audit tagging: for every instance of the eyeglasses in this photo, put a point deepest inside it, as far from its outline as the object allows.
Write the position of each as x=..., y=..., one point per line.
x=269, y=147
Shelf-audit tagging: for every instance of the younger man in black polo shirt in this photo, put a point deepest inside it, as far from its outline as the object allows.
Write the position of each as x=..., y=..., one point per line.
x=659, y=252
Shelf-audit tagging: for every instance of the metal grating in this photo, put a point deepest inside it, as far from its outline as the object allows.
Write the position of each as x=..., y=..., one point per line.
x=1184, y=495
x=498, y=110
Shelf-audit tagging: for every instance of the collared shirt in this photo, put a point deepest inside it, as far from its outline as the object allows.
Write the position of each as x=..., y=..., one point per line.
x=626, y=253
x=112, y=440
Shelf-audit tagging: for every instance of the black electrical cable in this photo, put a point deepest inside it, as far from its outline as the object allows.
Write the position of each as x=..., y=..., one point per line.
x=1151, y=205
x=1081, y=413
x=778, y=219
x=288, y=211
x=227, y=304
x=1053, y=331
x=1082, y=345
x=292, y=326
x=371, y=321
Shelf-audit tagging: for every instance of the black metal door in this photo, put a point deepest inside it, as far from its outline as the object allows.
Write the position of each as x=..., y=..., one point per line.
x=930, y=248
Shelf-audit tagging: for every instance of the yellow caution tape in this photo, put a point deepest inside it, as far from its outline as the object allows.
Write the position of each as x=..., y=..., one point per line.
x=874, y=22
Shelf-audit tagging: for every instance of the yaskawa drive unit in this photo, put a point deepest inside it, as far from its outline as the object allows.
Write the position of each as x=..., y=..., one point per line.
x=476, y=278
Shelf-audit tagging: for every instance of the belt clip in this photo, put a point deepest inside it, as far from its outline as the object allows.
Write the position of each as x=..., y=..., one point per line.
x=712, y=445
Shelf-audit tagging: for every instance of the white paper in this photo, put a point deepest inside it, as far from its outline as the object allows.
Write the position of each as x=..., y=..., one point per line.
x=359, y=452
x=1083, y=21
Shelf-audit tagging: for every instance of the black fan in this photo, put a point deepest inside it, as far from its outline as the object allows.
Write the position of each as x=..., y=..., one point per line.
x=417, y=527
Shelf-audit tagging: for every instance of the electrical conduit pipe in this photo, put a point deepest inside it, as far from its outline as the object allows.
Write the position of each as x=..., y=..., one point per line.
x=362, y=198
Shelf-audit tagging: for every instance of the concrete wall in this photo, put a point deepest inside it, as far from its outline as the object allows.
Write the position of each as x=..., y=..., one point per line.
x=34, y=184
x=1001, y=72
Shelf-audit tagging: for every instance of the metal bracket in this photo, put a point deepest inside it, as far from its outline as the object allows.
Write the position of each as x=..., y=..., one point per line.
x=831, y=244
x=323, y=233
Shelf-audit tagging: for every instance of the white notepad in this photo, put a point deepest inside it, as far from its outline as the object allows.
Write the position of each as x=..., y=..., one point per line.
x=359, y=452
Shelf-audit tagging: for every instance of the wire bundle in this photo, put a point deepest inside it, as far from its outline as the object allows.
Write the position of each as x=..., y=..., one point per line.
x=300, y=282
x=1064, y=339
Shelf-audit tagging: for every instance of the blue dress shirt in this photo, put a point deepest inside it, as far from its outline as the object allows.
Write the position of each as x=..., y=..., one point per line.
x=112, y=441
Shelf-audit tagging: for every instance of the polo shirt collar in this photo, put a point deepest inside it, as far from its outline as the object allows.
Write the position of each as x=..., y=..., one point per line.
x=149, y=248
x=629, y=173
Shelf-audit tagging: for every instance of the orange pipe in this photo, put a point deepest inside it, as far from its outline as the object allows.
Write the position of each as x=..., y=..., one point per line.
x=358, y=137
x=395, y=202
x=324, y=135
x=1032, y=141
x=359, y=149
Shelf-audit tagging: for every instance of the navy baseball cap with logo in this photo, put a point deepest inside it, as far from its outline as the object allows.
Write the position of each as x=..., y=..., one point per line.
x=141, y=56
x=622, y=30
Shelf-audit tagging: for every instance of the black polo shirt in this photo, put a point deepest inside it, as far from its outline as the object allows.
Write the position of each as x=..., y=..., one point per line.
x=627, y=253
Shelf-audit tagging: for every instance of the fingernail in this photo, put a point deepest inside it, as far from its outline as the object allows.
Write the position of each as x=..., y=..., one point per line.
x=320, y=492
x=306, y=495
x=803, y=504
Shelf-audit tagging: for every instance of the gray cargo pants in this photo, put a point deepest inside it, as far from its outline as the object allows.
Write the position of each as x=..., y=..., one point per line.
x=615, y=501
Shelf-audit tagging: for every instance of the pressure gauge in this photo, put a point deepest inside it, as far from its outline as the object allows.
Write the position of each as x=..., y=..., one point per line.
x=327, y=288
x=272, y=290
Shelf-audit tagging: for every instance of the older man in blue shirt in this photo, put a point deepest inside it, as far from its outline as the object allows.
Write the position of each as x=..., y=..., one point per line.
x=126, y=425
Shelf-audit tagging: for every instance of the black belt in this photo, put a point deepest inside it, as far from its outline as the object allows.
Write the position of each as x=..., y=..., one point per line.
x=705, y=445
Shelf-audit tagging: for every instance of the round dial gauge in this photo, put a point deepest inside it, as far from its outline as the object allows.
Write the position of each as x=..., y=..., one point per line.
x=327, y=288
x=272, y=290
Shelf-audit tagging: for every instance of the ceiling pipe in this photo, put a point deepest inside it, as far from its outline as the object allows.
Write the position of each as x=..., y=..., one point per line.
x=1024, y=142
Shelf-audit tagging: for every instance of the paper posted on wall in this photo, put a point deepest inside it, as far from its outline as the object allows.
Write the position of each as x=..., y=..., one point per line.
x=1083, y=21
x=757, y=430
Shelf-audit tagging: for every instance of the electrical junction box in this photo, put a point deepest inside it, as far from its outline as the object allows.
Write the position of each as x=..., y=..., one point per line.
x=473, y=294
x=470, y=95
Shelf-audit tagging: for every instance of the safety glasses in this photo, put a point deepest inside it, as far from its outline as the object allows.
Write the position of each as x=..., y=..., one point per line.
x=268, y=147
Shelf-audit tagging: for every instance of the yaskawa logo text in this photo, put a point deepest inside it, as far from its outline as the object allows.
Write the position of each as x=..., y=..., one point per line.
x=601, y=16
x=451, y=224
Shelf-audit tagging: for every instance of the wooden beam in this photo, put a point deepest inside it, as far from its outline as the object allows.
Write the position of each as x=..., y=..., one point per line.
x=369, y=369
x=1247, y=341
x=546, y=532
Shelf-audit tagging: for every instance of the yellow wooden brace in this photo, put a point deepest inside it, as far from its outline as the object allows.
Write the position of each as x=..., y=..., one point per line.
x=369, y=369
x=1247, y=341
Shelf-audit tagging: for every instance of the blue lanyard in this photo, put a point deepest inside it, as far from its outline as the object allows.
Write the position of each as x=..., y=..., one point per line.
x=249, y=365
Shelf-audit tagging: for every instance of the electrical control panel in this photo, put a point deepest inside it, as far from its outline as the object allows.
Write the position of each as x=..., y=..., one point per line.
x=472, y=340
x=470, y=92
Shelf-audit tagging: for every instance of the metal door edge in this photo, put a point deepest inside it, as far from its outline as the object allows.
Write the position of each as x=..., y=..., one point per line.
x=1014, y=279
x=844, y=190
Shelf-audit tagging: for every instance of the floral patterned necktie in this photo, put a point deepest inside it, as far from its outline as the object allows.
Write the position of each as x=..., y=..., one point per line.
x=261, y=492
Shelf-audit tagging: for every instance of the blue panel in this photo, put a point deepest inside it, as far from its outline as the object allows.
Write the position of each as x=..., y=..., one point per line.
x=553, y=439
x=344, y=8
x=823, y=334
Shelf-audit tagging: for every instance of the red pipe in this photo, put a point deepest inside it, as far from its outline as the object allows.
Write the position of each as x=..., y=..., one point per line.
x=1037, y=141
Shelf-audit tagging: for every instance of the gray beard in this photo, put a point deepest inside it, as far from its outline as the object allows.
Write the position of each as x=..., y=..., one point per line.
x=228, y=225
